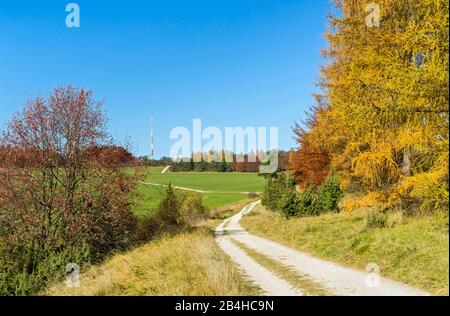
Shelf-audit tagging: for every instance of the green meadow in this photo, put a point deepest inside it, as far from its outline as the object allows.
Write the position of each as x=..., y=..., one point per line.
x=209, y=181
x=222, y=188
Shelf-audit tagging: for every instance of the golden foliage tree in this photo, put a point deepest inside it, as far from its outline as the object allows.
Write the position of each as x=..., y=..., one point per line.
x=385, y=88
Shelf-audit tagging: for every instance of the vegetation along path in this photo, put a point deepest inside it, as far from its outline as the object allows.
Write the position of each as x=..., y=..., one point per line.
x=334, y=278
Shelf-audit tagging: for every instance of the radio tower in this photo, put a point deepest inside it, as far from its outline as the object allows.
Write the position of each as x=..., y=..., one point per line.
x=152, y=138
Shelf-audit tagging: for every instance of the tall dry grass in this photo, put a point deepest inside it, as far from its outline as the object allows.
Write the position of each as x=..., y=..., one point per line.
x=188, y=264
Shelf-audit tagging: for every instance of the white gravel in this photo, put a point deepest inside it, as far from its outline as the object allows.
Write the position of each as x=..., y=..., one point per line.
x=336, y=279
x=165, y=169
x=269, y=283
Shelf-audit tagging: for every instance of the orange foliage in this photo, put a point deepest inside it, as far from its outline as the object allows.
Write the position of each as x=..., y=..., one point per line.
x=309, y=164
x=312, y=161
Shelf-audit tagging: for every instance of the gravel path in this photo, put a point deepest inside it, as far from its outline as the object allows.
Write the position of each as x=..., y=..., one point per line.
x=337, y=279
x=195, y=190
x=165, y=169
x=270, y=284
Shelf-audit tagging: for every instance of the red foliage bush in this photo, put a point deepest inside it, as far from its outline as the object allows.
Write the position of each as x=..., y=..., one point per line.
x=55, y=193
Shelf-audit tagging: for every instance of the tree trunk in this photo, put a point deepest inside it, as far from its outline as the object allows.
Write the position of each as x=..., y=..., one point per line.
x=407, y=162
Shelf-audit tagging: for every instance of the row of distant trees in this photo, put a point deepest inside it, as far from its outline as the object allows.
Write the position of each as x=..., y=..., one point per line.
x=119, y=156
x=147, y=162
x=217, y=162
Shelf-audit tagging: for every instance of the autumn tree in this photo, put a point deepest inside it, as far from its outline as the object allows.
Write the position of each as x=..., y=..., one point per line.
x=384, y=116
x=60, y=198
x=112, y=155
x=309, y=164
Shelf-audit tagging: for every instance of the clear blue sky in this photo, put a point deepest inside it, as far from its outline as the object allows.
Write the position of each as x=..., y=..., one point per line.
x=228, y=62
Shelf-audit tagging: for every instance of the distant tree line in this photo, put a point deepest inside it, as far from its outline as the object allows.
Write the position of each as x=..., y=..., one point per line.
x=147, y=162
x=217, y=162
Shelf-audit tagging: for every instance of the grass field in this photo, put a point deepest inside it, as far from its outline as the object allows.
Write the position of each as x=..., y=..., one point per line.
x=415, y=250
x=224, y=188
x=209, y=181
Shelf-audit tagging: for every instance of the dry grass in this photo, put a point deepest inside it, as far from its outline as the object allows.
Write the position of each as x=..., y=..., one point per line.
x=188, y=264
x=413, y=250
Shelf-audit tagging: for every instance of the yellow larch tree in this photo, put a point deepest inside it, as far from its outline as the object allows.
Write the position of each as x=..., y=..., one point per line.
x=385, y=86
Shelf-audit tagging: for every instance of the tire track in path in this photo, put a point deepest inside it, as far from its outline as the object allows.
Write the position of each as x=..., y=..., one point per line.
x=270, y=284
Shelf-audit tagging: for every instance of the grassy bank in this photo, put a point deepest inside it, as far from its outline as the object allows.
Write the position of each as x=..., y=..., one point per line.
x=186, y=264
x=413, y=250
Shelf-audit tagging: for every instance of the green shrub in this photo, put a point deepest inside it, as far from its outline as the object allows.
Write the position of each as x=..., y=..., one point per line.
x=328, y=195
x=174, y=212
x=51, y=267
x=280, y=195
x=272, y=194
x=192, y=209
x=289, y=204
x=168, y=211
x=307, y=205
x=276, y=187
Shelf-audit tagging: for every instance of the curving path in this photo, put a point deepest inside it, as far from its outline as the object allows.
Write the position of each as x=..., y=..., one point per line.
x=336, y=279
x=195, y=190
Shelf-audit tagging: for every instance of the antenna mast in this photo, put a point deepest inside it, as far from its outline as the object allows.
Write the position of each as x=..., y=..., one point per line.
x=152, y=138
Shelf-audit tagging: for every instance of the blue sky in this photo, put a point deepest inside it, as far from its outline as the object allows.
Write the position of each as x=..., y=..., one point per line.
x=230, y=63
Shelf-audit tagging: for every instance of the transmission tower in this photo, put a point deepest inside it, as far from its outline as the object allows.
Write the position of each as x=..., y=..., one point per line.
x=152, y=138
